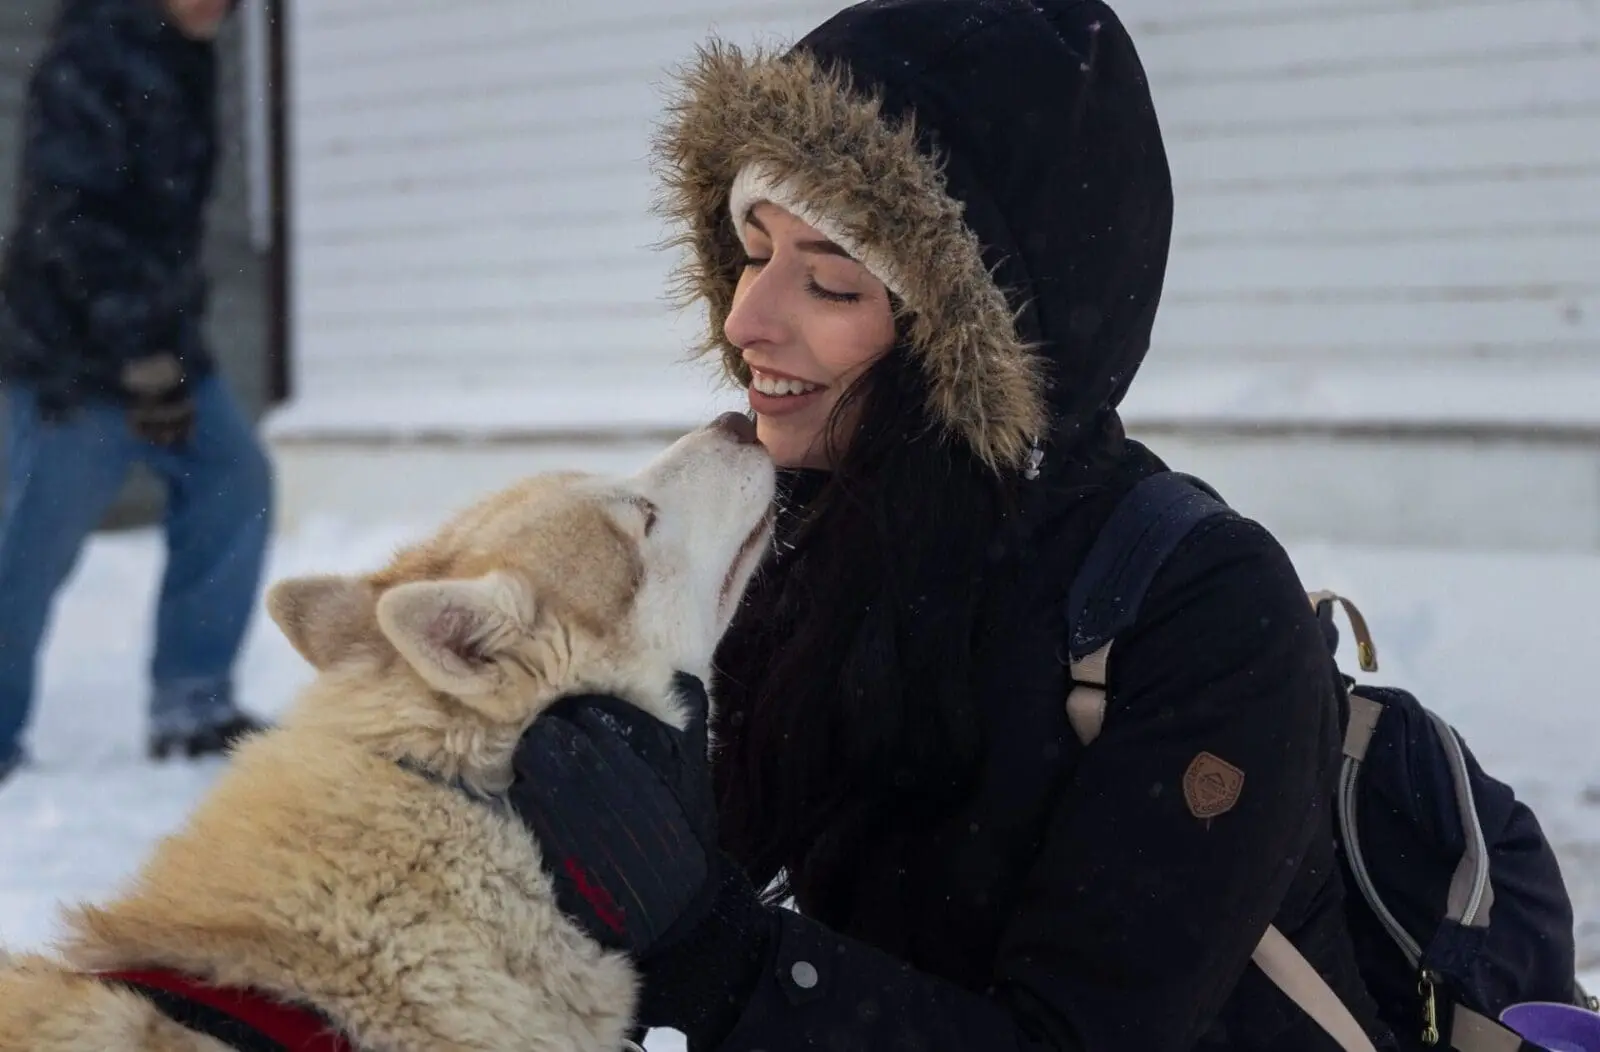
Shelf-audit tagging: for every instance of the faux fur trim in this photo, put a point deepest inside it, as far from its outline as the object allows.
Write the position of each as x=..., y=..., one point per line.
x=810, y=135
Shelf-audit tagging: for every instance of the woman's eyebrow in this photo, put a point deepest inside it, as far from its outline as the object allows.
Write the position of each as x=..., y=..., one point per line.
x=822, y=245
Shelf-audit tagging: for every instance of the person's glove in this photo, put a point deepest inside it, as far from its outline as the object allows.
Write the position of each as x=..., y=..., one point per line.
x=621, y=806
x=624, y=813
x=160, y=409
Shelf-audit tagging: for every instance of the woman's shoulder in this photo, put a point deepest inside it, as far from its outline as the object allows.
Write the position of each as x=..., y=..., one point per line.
x=1228, y=618
x=1226, y=591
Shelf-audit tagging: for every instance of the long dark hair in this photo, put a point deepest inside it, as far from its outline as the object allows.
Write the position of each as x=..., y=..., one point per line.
x=847, y=707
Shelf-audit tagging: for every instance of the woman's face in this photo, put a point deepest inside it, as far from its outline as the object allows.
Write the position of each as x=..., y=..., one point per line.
x=810, y=320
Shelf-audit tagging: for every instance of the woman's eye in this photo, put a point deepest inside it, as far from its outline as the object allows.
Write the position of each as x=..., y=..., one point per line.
x=753, y=261
x=830, y=295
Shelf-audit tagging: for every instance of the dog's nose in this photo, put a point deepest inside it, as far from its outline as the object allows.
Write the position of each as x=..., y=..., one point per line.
x=739, y=426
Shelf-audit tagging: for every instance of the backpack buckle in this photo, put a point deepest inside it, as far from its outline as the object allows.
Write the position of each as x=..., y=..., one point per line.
x=1366, y=651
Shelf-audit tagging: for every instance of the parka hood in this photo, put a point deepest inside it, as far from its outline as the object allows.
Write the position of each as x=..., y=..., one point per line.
x=1000, y=158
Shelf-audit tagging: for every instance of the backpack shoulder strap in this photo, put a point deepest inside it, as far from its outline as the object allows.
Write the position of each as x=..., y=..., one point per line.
x=1143, y=530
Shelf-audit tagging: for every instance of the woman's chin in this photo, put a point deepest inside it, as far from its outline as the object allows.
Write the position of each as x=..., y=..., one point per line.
x=788, y=447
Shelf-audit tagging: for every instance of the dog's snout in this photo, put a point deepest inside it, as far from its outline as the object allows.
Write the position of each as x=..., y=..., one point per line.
x=739, y=426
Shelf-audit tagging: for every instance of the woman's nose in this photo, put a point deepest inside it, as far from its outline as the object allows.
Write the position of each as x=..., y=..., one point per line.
x=757, y=314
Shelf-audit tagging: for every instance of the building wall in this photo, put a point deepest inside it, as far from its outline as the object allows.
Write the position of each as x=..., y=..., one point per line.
x=1386, y=212
x=1388, y=227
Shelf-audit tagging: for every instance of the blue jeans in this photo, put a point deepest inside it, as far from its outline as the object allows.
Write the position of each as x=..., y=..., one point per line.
x=62, y=477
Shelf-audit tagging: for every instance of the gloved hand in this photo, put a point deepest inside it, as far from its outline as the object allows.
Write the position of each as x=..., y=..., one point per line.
x=623, y=810
x=160, y=409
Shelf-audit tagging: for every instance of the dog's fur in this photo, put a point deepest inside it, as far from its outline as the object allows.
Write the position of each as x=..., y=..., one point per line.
x=318, y=869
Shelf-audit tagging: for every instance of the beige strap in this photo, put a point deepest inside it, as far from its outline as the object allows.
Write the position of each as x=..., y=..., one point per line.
x=1276, y=955
x=1471, y=1032
x=1366, y=652
x=1364, y=714
x=1292, y=973
x=1086, y=704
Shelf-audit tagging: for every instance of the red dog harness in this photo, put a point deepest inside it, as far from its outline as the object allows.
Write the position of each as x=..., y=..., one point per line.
x=244, y=1019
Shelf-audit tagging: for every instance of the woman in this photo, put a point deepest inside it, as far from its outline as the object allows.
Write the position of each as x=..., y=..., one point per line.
x=931, y=239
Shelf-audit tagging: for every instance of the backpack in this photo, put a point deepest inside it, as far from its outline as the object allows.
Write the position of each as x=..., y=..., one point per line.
x=1456, y=903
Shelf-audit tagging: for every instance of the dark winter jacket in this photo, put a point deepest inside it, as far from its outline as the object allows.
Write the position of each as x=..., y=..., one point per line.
x=1075, y=900
x=103, y=263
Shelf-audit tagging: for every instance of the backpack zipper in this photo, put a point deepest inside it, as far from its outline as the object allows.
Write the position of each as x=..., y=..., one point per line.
x=1430, y=1010
x=1358, y=865
x=1469, y=818
x=1427, y=980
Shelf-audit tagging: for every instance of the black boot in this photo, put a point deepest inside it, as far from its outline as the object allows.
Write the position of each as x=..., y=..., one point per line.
x=204, y=741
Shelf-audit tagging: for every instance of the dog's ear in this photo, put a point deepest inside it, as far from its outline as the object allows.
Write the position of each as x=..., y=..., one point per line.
x=455, y=632
x=325, y=617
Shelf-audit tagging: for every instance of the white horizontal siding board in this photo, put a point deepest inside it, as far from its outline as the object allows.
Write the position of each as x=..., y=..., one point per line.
x=451, y=291
x=510, y=246
x=1391, y=93
x=508, y=63
x=1401, y=36
x=428, y=212
x=493, y=159
x=516, y=174
x=1561, y=142
x=1488, y=266
x=644, y=346
x=1448, y=357
x=1246, y=184
x=485, y=18
x=1254, y=13
x=1319, y=325
x=435, y=121
x=1309, y=216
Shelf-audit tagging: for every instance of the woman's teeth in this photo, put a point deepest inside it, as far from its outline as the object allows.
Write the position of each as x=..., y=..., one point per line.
x=771, y=385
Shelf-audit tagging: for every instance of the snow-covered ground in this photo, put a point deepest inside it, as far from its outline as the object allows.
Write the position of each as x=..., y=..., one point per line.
x=1501, y=644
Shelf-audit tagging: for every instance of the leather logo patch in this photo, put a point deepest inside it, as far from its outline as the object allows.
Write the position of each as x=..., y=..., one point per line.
x=1211, y=786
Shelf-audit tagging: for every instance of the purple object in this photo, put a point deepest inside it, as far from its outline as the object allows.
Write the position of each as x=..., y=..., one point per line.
x=1558, y=1027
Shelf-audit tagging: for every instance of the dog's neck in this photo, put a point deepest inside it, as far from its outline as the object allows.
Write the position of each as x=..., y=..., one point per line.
x=494, y=800
x=441, y=739
x=425, y=732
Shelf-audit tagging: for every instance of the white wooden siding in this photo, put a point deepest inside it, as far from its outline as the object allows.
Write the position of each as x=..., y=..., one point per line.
x=1361, y=186
x=472, y=196
x=1419, y=180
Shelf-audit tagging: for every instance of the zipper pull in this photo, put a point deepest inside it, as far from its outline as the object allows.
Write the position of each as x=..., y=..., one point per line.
x=1430, y=1010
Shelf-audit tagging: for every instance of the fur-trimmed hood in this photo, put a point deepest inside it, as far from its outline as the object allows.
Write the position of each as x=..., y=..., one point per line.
x=1001, y=158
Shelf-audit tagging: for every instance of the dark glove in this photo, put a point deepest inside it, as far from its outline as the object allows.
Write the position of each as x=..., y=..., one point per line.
x=160, y=409
x=623, y=810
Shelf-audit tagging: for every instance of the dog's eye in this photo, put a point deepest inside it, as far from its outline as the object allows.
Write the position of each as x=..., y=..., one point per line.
x=649, y=511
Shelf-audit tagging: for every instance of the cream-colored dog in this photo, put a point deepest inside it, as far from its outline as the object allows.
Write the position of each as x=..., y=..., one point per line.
x=335, y=865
